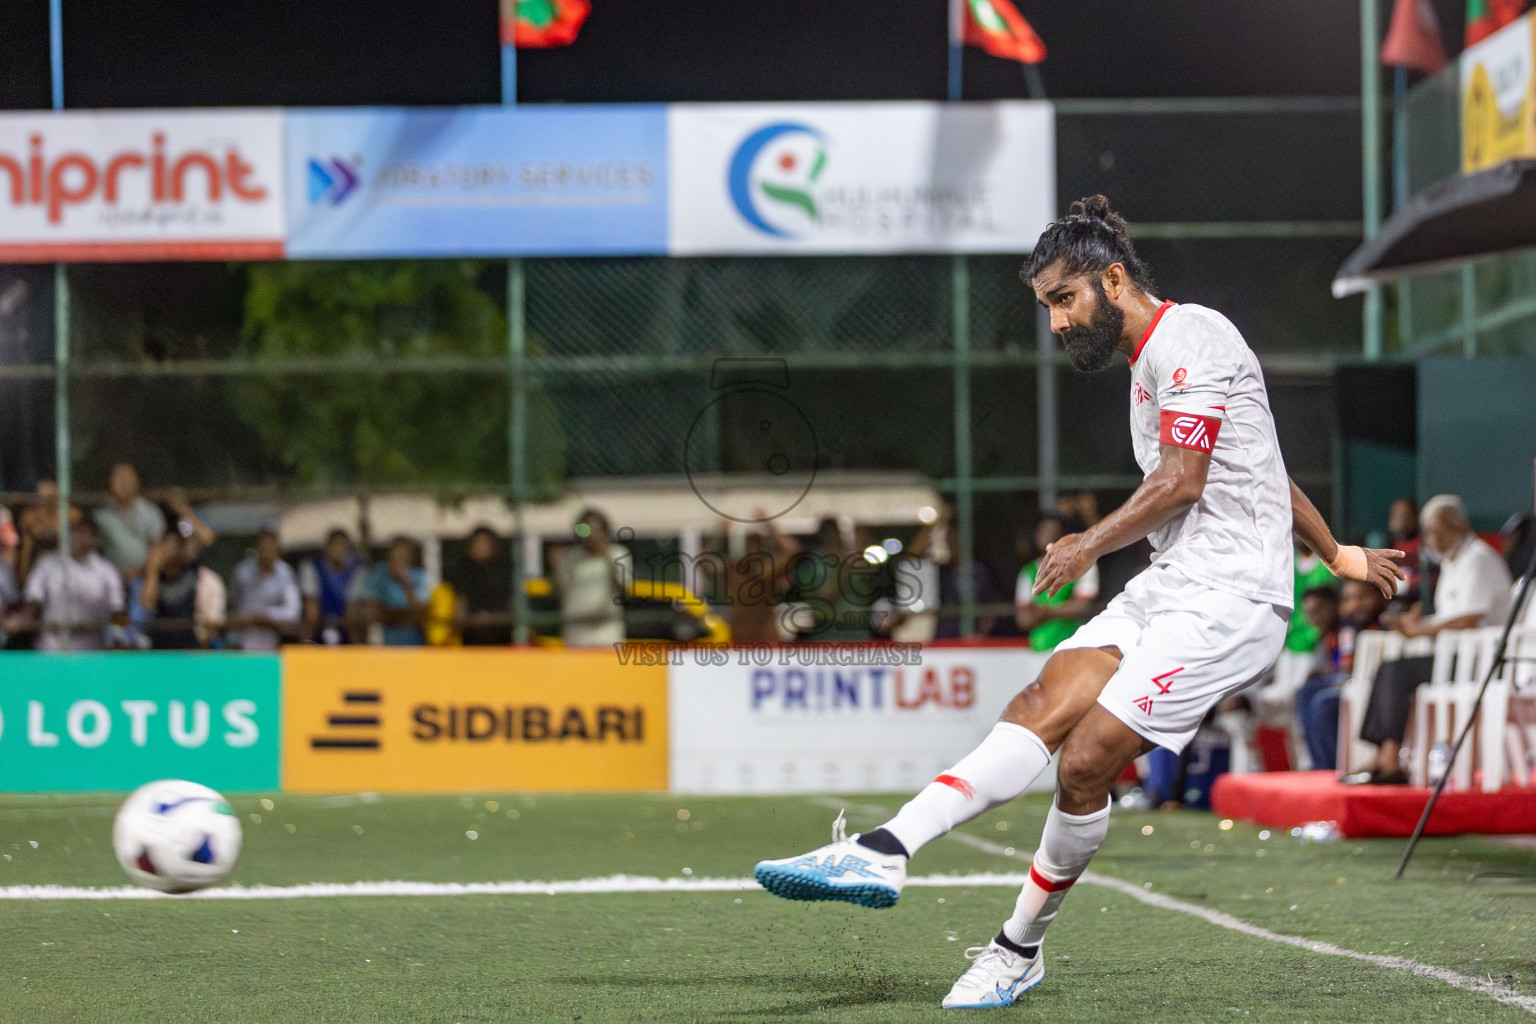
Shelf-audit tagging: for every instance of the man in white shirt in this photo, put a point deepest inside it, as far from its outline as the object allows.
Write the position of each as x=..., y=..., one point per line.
x=589, y=580
x=94, y=594
x=267, y=600
x=130, y=523
x=1474, y=590
x=1204, y=620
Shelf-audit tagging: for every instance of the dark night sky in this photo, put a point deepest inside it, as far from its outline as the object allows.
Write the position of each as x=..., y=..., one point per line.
x=340, y=52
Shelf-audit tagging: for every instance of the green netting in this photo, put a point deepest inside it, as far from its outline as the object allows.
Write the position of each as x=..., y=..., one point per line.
x=700, y=308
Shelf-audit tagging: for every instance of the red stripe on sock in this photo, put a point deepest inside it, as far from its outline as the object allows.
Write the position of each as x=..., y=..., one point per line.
x=1046, y=883
x=964, y=788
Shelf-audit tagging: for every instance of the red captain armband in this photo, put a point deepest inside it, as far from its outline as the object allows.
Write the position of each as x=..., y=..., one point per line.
x=1188, y=430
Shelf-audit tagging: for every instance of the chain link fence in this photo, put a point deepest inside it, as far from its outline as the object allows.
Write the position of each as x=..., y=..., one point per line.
x=273, y=382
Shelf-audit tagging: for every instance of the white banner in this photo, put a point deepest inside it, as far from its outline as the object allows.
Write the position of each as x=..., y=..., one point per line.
x=791, y=727
x=141, y=185
x=755, y=178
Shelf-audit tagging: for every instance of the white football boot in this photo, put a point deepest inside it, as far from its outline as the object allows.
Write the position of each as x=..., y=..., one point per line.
x=997, y=976
x=842, y=870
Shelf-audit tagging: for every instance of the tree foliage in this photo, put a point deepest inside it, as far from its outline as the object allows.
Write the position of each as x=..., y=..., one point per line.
x=350, y=425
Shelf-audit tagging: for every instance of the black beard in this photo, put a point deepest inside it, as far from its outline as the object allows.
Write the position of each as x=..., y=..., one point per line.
x=1092, y=348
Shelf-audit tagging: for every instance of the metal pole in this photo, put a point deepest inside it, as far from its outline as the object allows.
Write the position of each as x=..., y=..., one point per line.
x=1045, y=412
x=960, y=277
x=1469, y=311
x=517, y=440
x=1400, y=189
x=1370, y=146
x=56, y=50
x=956, y=47
x=960, y=309
x=508, y=58
x=61, y=351
x=517, y=369
x=61, y=440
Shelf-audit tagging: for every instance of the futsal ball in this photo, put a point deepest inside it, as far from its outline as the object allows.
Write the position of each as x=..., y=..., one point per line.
x=176, y=836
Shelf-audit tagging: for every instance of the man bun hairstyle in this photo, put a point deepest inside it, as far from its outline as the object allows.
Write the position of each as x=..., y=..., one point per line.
x=1086, y=241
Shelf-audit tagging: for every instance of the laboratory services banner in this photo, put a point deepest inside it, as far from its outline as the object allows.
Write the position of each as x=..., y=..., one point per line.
x=477, y=181
x=849, y=719
x=115, y=720
x=444, y=720
x=141, y=185
x=860, y=177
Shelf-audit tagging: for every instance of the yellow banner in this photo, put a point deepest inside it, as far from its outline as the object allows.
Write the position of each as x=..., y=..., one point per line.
x=424, y=720
x=1498, y=97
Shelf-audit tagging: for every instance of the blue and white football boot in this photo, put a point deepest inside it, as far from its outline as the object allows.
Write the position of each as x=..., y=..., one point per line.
x=996, y=977
x=842, y=870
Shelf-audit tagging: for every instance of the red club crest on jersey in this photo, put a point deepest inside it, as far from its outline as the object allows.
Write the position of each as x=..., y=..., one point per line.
x=1139, y=394
x=1179, y=375
x=1188, y=430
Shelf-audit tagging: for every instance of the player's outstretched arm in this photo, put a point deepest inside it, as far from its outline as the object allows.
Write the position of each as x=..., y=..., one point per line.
x=1376, y=566
x=1175, y=485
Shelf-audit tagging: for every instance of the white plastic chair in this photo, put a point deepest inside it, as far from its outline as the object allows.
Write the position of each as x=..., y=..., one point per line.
x=1434, y=702
x=1507, y=728
x=1371, y=649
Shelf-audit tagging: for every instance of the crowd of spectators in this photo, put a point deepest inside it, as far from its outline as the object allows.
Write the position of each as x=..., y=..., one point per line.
x=135, y=578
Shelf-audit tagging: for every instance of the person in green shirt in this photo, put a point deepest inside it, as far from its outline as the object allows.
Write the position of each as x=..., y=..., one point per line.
x=1050, y=619
x=1300, y=635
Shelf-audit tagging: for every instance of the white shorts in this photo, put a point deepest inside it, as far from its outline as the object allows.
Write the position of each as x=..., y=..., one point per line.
x=1185, y=647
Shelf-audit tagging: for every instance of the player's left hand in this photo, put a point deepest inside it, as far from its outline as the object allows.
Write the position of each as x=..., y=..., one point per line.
x=1064, y=561
x=1382, y=570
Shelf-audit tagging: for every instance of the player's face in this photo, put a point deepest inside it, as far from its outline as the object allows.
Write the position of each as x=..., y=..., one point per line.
x=1090, y=325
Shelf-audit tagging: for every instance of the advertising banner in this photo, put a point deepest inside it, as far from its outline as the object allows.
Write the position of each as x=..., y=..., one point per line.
x=141, y=185
x=117, y=720
x=477, y=181
x=751, y=178
x=397, y=720
x=793, y=720
x=1498, y=97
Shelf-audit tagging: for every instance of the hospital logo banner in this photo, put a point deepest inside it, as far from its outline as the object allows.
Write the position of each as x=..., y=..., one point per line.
x=860, y=177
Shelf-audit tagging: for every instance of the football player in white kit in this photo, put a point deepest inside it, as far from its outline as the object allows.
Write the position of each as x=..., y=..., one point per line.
x=1204, y=620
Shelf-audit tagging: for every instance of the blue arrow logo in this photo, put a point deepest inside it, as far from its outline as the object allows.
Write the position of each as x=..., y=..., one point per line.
x=332, y=180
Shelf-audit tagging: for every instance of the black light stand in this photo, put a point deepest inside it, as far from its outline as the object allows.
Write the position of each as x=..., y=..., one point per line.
x=1466, y=730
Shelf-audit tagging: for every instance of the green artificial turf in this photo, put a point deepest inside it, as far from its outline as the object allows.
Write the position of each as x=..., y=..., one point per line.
x=703, y=956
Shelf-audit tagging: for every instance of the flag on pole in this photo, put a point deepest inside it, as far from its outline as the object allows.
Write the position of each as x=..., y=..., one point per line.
x=997, y=27
x=1413, y=39
x=1485, y=17
x=538, y=24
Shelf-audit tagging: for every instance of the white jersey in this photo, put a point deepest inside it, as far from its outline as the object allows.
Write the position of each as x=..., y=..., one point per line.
x=1195, y=383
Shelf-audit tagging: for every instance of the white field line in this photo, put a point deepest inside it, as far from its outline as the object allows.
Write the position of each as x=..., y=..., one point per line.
x=1498, y=993
x=320, y=890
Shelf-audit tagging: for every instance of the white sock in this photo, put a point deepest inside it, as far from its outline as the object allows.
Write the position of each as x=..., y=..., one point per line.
x=1066, y=846
x=999, y=769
